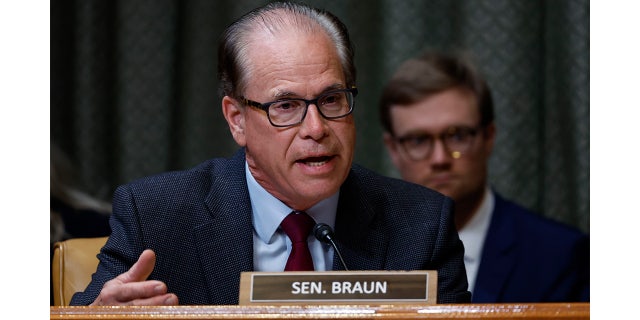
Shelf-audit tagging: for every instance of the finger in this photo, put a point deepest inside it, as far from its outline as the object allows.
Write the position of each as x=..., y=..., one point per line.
x=140, y=270
x=117, y=293
x=168, y=299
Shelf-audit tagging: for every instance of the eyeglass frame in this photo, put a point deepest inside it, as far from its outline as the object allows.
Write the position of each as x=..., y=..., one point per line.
x=456, y=154
x=353, y=91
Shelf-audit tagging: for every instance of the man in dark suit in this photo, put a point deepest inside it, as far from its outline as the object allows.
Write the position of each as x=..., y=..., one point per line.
x=185, y=237
x=437, y=113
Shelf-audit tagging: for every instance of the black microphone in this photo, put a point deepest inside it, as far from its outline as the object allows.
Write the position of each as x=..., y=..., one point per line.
x=324, y=233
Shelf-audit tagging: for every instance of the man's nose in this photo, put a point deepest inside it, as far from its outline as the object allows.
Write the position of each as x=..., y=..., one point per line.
x=440, y=154
x=313, y=124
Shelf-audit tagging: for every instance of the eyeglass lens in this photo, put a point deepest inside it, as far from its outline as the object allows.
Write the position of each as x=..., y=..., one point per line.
x=456, y=140
x=331, y=105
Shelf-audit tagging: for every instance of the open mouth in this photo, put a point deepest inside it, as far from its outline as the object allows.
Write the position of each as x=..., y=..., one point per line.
x=314, y=161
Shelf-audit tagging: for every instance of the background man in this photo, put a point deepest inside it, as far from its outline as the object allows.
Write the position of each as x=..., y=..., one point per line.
x=437, y=113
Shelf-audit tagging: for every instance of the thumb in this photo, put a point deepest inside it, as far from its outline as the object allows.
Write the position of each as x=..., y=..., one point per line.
x=140, y=270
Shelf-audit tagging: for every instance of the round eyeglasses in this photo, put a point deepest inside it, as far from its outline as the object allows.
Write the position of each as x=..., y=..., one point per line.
x=290, y=112
x=456, y=140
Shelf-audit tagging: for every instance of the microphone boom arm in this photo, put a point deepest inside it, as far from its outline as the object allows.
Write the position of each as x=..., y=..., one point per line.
x=324, y=233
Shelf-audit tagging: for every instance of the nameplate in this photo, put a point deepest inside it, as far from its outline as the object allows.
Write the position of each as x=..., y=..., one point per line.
x=338, y=287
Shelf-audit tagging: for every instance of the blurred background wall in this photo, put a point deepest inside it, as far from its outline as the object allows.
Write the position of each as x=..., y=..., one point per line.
x=134, y=88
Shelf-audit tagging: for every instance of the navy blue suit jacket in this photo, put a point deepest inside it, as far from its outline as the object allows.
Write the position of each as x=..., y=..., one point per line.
x=199, y=224
x=529, y=258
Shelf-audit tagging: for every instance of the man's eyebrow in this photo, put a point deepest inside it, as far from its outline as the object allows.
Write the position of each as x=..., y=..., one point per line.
x=335, y=86
x=289, y=94
x=284, y=94
x=416, y=134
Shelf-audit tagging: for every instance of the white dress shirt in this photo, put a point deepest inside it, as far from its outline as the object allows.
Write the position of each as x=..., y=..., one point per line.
x=271, y=246
x=473, y=235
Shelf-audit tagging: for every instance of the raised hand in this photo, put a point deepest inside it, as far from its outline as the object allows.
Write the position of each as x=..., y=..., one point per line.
x=133, y=288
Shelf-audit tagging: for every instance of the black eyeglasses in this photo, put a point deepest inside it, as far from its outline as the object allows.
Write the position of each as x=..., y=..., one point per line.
x=457, y=141
x=290, y=112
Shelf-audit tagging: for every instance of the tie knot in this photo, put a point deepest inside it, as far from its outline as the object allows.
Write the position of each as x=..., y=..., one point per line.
x=297, y=225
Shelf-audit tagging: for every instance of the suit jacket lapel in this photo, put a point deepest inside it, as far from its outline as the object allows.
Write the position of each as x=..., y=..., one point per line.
x=225, y=242
x=356, y=231
x=498, y=258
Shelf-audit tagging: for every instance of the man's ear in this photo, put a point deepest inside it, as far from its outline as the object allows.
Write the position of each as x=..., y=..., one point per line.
x=233, y=112
x=489, y=138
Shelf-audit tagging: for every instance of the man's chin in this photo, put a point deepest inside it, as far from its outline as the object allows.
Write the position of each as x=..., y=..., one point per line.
x=445, y=189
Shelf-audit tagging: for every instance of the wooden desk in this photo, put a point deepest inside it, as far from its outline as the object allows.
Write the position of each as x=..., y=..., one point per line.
x=411, y=311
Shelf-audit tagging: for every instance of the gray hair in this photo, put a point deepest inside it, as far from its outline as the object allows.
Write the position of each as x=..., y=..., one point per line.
x=273, y=17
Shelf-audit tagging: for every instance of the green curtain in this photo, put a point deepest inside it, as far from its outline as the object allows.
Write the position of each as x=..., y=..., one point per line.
x=134, y=89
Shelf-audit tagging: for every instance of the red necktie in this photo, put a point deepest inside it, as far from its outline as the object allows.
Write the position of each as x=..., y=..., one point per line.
x=297, y=225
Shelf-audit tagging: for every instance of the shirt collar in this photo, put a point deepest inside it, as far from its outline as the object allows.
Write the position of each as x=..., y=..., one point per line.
x=474, y=232
x=268, y=212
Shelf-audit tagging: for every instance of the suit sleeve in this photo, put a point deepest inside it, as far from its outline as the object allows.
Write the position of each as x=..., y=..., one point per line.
x=124, y=246
x=572, y=283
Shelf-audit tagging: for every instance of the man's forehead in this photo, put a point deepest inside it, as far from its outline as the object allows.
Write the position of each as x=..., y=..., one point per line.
x=284, y=66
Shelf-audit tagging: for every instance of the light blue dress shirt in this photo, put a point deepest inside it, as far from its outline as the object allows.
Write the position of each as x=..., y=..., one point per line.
x=271, y=246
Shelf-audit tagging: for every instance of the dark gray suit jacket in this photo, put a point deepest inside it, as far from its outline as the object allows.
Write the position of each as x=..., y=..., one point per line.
x=198, y=222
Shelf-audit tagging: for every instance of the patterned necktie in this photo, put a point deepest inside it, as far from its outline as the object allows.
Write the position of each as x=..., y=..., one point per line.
x=297, y=225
